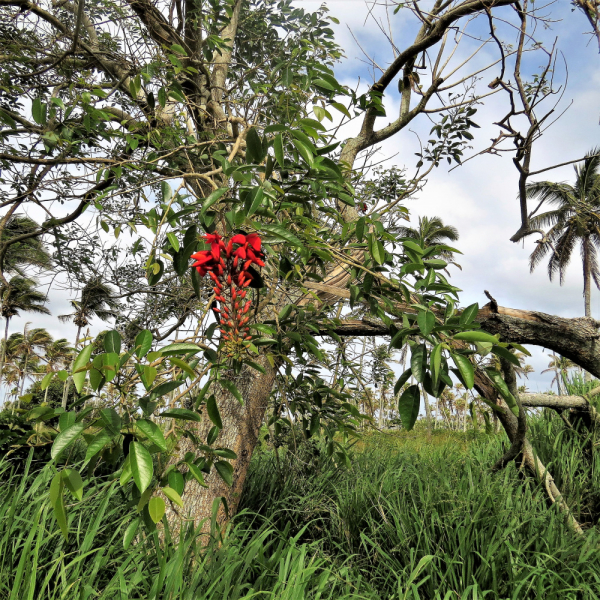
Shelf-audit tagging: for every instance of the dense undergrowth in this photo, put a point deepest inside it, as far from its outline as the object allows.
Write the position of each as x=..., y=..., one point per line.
x=414, y=517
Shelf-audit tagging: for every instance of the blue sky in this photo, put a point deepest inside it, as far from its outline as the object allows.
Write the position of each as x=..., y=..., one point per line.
x=480, y=197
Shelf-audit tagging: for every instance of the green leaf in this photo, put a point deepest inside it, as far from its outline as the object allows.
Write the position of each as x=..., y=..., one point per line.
x=401, y=381
x=225, y=470
x=153, y=432
x=111, y=420
x=436, y=363
x=304, y=152
x=506, y=354
x=156, y=508
x=410, y=245
x=501, y=386
x=226, y=453
x=164, y=388
x=126, y=471
x=38, y=110
x=213, y=412
x=465, y=368
x=183, y=366
x=256, y=199
x=130, y=533
x=468, y=314
x=278, y=148
x=143, y=343
x=280, y=232
x=254, y=147
x=360, y=229
x=173, y=241
x=418, y=362
x=155, y=272
x=476, y=336
x=376, y=249
x=212, y=199
x=74, y=483
x=181, y=413
x=81, y=361
x=46, y=381
x=197, y=474
x=112, y=341
x=426, y=321
x=173, y=496
x=408, y=406
x=65, y=438
x=179, y=348
x=99, y=441
x=141, y=466
x=57, y=486
x=176, y=481
x=230, y=387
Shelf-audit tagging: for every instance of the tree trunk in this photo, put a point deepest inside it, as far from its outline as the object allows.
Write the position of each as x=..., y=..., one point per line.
x=3, y=356
x=528, y=458
x=427, y=411
x=241, y=426
x=587, y=289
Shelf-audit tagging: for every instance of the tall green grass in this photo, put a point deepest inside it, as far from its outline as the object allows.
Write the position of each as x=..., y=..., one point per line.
x=414, y=517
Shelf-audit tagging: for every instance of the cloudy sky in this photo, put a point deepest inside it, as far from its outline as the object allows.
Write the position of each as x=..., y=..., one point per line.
x=478, y=198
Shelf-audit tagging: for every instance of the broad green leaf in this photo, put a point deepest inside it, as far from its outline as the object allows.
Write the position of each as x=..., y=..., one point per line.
x=436, y=362
x=408, y=406
x=426, y=321
x=410, y=245
x=83, y=358
x=99, y=441
x=226, y=453
x=281, y=232
x=254, y=147
x=418, y=362
x=143, y=343
x=376, y=249
x=126, y=471
x=130, y=533
x=465, y=368
x=111, y=420
x=65, y=438
x=141, y=466
x=212, y=199
x=173, y=496
x=74, y=483
x=213, y=412
x=197, y=474
x=256, y=199
x=476, y=336
x=173, y=241
x=468, y=314
x=278, y=148
x=156, y=508
x=305, y=152
x=401, y=381
x=164, y=388
x=46, y=381
x=506, y=354
x=225, y=470
x=232, y=389
x=155, y=272
x=183, y=366
x=181, y=413
x=176, y=481
x=153, y=432
x=38, y=110
x=501, y=386
x=179, y=348
x=57, y=499
x=112, y=341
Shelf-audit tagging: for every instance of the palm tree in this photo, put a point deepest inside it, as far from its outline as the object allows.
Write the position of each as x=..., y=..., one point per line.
x=95, y=301
x=431, y=231
x=575, y=219
x=20, y=295
x=559, y=365
x=27, y=345
x=58, y=355
x=29, y=252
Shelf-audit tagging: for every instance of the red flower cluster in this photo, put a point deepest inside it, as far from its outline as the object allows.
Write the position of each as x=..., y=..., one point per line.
x=228, y=268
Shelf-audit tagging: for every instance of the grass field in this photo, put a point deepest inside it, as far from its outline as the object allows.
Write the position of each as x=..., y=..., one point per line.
x=414, y=517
